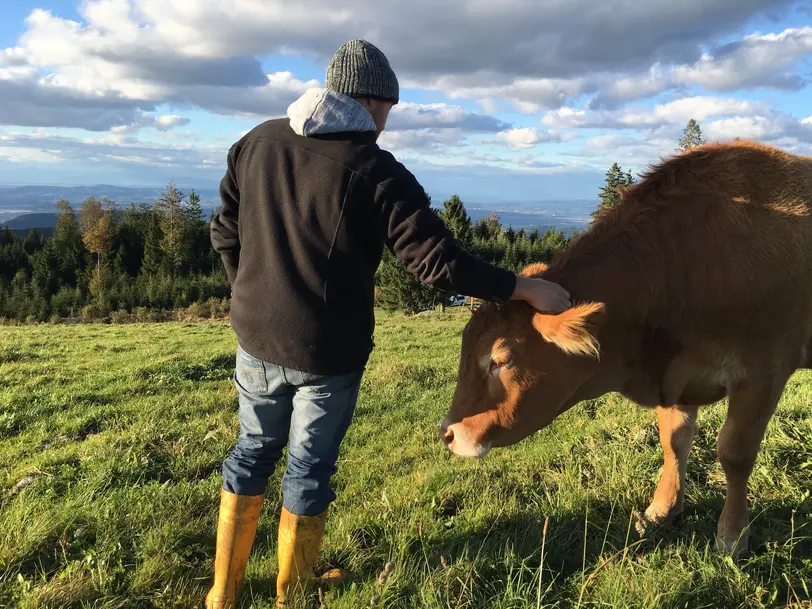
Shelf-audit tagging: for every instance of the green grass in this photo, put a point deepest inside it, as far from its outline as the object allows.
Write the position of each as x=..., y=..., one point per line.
x=111, y=439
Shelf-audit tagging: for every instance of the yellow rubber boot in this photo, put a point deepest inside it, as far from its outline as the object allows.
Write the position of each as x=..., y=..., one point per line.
x=236, y=529
x=300, y=539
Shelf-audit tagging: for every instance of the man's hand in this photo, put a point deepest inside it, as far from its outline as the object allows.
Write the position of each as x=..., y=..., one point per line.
x=542, y=295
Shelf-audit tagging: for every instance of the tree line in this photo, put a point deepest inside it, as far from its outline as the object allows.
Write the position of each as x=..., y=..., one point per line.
x=145, y=261
x=504, y=246
x=104, y=261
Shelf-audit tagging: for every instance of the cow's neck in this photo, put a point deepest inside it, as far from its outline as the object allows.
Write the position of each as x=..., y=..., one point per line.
x=630, y=294
x=635, y=300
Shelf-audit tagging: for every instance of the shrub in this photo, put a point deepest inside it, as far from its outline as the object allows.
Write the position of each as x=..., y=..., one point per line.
x=91, y=313
x=194, y=312
x=120, y=317
x=66, y=302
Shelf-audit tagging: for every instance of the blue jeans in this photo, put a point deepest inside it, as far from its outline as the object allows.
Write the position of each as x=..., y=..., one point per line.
x=278, y=404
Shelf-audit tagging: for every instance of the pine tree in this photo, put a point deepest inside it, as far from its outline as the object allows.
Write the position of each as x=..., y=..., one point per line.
x=480, y=230
x=33, y=242
x=691, y=137
x=20, y=300
x=130, y=240
x=397, y=290
x=616, y=180
x=457, y=220
x=45, y=273
x=174, y=240
x=13, y=256
x=151, y=262
x=197, y=232
x=67, y=240
x=489, y=228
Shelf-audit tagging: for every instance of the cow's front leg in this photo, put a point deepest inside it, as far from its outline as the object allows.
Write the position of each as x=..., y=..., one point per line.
x=677, y=427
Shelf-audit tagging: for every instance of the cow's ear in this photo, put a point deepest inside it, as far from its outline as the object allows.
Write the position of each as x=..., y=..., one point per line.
x=573, y=331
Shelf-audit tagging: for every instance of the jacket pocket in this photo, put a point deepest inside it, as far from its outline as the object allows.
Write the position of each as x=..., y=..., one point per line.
x=250, y=373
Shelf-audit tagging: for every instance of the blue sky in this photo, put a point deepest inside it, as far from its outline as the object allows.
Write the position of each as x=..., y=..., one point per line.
x=502, y=100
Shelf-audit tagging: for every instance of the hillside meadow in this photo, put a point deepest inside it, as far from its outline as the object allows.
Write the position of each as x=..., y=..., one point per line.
x=112, y=436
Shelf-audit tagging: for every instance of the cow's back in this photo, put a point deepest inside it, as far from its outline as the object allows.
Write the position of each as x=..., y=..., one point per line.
x=711, y=252
x=732, y=226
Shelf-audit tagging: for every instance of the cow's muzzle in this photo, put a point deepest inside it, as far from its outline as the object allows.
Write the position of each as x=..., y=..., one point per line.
x=460, y=441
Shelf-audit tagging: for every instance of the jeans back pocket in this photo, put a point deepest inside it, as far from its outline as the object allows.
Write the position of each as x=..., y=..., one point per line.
x=250, y=373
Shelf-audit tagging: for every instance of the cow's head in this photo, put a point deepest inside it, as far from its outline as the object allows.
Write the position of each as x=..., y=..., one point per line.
x=519, y=369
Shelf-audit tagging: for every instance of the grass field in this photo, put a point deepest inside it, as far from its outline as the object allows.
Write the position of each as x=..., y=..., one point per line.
x=111, y=440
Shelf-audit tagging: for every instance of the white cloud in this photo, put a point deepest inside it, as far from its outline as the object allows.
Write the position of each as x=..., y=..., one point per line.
x=408, y=115
x=515, y=38
x=670, y=113
x=160, y=123
x=649, y=133
x=770, y=127
x=206, y=53
x=436, y=140
x=434, y=127
x=756, y=60
x=698, y=108
x=267, y=101
x=115, y=149
x=167, y=122
x=527, y=137
x=526, y=94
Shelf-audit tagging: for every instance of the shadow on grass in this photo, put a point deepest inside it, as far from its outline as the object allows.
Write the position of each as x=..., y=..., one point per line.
x=494, y=550
x=575, y=545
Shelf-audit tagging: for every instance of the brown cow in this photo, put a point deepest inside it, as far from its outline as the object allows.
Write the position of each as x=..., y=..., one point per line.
x=697, y=286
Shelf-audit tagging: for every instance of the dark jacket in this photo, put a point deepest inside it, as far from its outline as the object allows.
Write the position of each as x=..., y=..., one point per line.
x=301, y=233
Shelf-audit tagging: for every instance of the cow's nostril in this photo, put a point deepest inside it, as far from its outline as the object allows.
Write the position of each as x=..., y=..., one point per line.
x=448, y=436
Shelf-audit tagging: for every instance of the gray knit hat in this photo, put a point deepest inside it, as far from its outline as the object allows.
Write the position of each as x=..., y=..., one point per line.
x=360, y=69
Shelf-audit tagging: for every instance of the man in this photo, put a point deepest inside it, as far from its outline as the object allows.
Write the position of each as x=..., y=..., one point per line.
x=308, y=204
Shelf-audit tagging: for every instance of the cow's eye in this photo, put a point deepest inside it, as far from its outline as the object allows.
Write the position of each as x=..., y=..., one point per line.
x=497, y=366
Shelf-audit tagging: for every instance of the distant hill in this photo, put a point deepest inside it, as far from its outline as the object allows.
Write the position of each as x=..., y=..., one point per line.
x=542, y=215
x=18, y=200
x=35, y=206
x=28, y=221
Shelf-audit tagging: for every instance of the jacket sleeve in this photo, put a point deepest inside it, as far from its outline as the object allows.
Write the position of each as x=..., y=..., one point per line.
x=225, y=237
x=419, y=237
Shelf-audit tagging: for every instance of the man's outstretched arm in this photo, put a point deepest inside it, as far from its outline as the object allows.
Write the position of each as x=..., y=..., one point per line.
x=420, y=238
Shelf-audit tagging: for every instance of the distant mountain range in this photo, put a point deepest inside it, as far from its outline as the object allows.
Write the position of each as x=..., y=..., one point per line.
x=18, y=200
x=26, y=207
x=26, y=221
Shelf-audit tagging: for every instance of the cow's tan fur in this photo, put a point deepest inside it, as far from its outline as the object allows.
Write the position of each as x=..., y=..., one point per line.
x=697, y=286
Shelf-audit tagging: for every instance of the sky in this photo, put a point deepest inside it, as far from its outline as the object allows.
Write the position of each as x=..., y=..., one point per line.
x=501, y=100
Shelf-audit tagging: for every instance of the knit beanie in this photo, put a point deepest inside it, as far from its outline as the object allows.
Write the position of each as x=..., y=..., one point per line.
x=360, y=69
